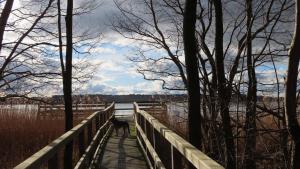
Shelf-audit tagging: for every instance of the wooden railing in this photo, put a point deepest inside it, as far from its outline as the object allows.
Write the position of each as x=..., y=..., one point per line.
x=153, y=106
x=165, y=149
x=87, y=152
x=50, y=107
x=56, y=111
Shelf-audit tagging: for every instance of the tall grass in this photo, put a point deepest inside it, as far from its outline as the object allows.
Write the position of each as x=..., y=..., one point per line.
x=22, y=134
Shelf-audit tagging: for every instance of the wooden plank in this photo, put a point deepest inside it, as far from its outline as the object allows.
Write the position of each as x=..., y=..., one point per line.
x=191, y=153
x=122, y=152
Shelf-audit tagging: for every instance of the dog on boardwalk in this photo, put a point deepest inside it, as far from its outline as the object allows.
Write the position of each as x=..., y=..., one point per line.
x=120, y=124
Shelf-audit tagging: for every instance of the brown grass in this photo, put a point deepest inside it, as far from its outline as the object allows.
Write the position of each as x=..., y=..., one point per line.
x=21, y=135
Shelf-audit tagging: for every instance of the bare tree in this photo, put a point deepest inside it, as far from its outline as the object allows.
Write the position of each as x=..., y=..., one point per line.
x=193, y=87
x=291, y=90
x=3, y=19
x=250, y=123
x=28, y=62
x=148, y=26
x=223, y=91
x=67, y=76
x=235, y=40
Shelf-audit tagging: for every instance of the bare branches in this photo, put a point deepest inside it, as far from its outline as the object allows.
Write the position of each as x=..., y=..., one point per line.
x=151, y=30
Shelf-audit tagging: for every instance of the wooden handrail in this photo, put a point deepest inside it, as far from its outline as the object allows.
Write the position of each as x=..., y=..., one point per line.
x=197, y=158
x=50, y=107
x=49, y=152
x=73, y=105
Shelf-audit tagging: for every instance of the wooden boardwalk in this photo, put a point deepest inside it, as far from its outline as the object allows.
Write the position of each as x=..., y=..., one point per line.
x=122, y=152
x=163, y=148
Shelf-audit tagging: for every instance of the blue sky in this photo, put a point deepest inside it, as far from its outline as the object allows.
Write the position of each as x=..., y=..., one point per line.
x=116, y=73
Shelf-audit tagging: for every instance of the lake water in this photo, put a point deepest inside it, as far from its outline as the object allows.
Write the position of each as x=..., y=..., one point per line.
x=178, y=109
x=124, y=106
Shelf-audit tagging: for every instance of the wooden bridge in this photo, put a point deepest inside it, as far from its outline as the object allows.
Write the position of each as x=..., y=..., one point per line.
x=150, y=145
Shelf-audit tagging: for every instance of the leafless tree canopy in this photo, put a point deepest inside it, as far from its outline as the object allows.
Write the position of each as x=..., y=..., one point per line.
x=29, y=58
x=242, y=49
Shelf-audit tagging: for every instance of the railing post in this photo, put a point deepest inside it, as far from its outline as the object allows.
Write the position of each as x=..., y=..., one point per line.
x=176, y=158
x=81, y=145
x=101, y=119
x=153, y=138
x=90, y=132
x=68, y=156
x=53, y=162
x=135, y=115
x=98, y=122
x=172, y=157
x=105, y=119
x=145, y=126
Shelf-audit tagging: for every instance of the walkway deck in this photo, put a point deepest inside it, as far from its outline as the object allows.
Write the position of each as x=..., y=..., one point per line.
x=122, y=152
x=168, y=149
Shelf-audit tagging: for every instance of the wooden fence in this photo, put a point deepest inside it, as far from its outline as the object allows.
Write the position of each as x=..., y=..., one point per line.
x=49, y=155
x=154, y=107
x=56, y=111
x=165, y=149
x=50, y=107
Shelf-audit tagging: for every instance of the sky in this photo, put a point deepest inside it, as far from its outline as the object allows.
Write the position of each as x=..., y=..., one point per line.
x=116, y=73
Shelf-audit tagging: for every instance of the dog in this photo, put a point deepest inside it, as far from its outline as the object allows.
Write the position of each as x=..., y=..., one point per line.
x=120, y=124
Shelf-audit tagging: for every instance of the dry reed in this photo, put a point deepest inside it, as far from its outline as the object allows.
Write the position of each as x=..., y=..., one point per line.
x=22, y=134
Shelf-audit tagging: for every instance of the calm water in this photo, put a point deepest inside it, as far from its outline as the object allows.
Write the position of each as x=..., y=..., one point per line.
x=122, y=106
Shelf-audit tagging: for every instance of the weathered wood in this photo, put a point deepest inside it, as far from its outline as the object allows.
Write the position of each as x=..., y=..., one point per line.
x=47, y=107
x=192, y=154
x=122, y=152
x=45, y=154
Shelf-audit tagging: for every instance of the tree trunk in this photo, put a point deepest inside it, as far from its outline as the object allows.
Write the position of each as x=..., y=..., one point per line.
x=250, y=123
x=3, y=19
x=193, y=86
x=67, y=83
x=223, y=90
x=290, y=93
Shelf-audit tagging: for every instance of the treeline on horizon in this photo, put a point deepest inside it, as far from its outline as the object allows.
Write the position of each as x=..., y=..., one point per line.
x=102, y=98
